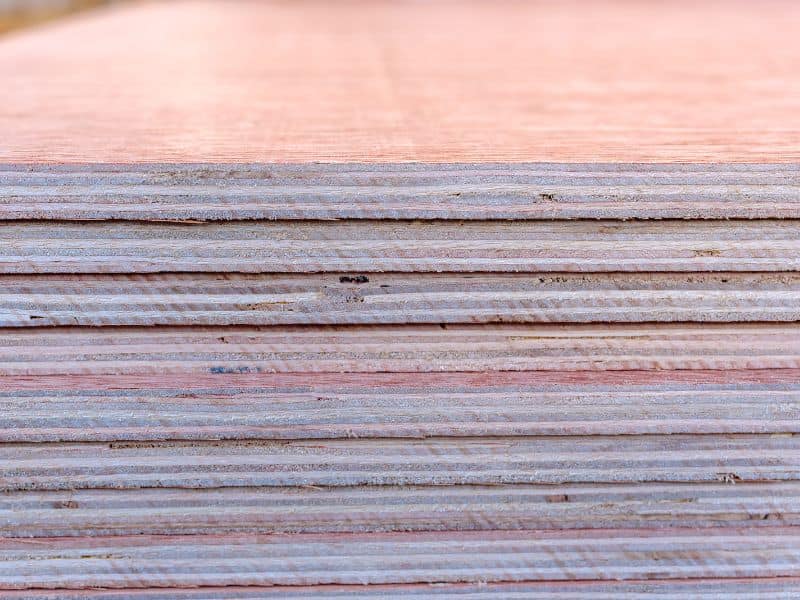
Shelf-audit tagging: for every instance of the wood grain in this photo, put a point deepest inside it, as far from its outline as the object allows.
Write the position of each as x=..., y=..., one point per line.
x=316, y=410
x=201, y=81
x=308, y=509
x=346, y=298
x=367, y=349
x=144, y=561
x=408, y=246
x=480, y=191
x=446, y=461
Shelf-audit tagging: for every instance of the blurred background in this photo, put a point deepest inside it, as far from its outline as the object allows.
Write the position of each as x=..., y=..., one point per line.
x=16, y=14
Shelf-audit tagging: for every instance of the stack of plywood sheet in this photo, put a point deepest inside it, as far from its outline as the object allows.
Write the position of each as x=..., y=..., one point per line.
x=492, y=300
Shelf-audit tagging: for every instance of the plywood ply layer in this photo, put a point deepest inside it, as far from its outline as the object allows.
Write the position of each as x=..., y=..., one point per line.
x=418, y=246
x=305, y=509
x=410, y=408
x=396, y=298
x=181, y=192
x=126, y=562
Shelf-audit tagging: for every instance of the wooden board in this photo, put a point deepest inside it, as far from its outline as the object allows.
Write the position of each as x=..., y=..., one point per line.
x=453, y=81
x=410, y=246
x=376, y=349
x=414, y=408
x=396, y=298
x=378, y=462
x=381, y=558
x=309, y=509
x=219, y=192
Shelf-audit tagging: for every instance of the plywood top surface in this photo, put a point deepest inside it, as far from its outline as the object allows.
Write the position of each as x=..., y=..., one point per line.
x=247, y=81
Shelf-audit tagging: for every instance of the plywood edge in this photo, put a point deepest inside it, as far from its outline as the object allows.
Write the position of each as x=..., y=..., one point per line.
x=472, y=191
x=188, y=561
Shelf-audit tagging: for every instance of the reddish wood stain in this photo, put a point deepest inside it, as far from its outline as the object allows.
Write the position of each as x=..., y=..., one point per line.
x=409, y=81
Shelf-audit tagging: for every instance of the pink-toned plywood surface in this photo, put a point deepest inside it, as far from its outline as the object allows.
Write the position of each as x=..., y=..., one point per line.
x=249, y=81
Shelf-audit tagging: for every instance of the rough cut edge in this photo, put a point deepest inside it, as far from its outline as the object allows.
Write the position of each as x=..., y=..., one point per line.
x=711, y=198
x=399, y=246
x=434, y=461
x=306, y=559
x=309, y=509
x=411, y=411
x=222, y=191
x=409, y=348
x=345, y=298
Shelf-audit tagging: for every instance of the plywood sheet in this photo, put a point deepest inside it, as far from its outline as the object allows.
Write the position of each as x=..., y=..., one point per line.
x=376, y=349
x=310, y=509
x=383, y=558
x=454, y=81
x=395, y=298
x=225, y=191
x=378, y=462
x=405, y=246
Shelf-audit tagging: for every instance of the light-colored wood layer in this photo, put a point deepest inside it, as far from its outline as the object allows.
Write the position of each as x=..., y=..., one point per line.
x=410, y=411
x=437, y=461
x=374, y=246
x=375, y=509
x=220, y=350
x=399, y=191
x=448, y=81
x=314, y=299
x=757, y=588
x=146, y=561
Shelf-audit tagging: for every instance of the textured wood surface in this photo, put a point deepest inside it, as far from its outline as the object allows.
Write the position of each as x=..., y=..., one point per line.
x=411, y=246
x=316, y=299
x=175, y=191
x=453, y=299
x=320, y=409
x=142, y=561
x=307, y=509
x=543, y=460
x=374, y=349
x=380, y=81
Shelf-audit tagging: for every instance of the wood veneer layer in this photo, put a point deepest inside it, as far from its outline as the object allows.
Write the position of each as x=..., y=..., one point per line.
x=403, y=246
